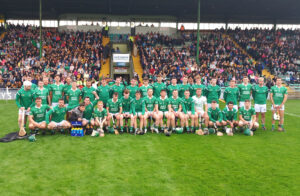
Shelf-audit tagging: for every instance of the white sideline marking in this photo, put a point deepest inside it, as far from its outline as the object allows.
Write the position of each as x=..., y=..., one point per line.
x=290, y=114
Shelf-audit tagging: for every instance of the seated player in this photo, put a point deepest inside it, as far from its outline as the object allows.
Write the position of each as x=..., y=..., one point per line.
x=57, y=115
x=200, y=108
x=230, y=117
x=138, y=111
x=114, y=110
x=162, y=111
x=215, y=117
x=189, y=111
x=37, y=116
x=76, y=115
x=248, y=119
x=127, y=103
x=175, y=109
x=150, y=102
x=99, y=118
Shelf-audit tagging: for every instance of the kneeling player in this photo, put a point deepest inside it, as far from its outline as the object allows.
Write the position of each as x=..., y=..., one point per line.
x=127, y=103
x=230, y=118
x=248, y=119
x=114, y=109
x=138, y=111
x=215, y=118
x=162, y=111
x=99, y=118
x=57, y=114
x=175, y=110
x=37, y=116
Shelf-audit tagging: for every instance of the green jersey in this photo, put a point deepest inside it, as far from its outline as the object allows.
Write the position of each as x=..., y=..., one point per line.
x=47, y=87
x=88, y=112
x=138, y=106
x=88, y=92
x=229, y=114
x=150, y=103
x=42, y=93
x=195, y=87
x=144, y=90
x=132, y=90
x=171, y=88
x=231, y=94
x=119, y=89
x=127, y=104
x=278, y=94
x=57, y=114
x=74, y=97
x=247, y=114
x=33, y=86
x=114, y=107
x=175, y=103
x=99, y=114
x=103, y=93
x=260, y=94
x=39, y=113
x=157, y=87
x=25, y=98
x=213, y=93
x=162, y=104
x=56, y=92
x=66, y=88
x=215, y=114
x=189, y=105
x=245, y=92
x=184, y=87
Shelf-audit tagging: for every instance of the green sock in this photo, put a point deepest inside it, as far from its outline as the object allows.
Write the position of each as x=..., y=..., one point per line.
x=197, y=127
x=122, y=128
x=192, y=128
x=263, y=125
x=117, y=127
x=273, y=126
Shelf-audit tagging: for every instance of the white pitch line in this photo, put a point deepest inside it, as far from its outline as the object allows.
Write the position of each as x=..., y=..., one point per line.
x=290, y=114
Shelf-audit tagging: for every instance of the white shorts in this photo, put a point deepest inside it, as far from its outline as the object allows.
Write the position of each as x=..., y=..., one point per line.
x=84, y=119
x=201, y=112
x=150, y=113
x=242, y=104
x=58, y=124
x=281, y=109
x=127, y=113
x=138, y=114
x=26, y=113
x=260, y=108
x=234, y=106
x=165, y=113
x=209, y=105
x=54, y=104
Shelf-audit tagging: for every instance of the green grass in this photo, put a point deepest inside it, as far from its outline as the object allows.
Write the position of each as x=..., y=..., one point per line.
x=266, y=164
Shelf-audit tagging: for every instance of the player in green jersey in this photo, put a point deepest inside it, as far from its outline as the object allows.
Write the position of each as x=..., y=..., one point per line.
x=162, y=110
x=46, y=84
x=176, y=109
x=230, y=118
x=103, y=91
x=231, y=93
x=66, y=88
x=150, y=110
x=37, y=116
x=99, y=118
x=132, y=88
x=33, y=86
x=260, y=95
x=89, y=91
x=24, y=101
x=144, y=88
x=158, y=86
x=245, y=90
x=114, y=110
x=138, y=111
x=248, y=119
x=117, y=88
x=278, y=97
x=57, y=115
x=197, y=85
x=189, y=106
x=215, y=117
x=212, y=92
x=172, y=86
x=184, y=86
x=88, y=112
x=56, y=91
x=42, y=93
x=127, y=104
x=74, y=95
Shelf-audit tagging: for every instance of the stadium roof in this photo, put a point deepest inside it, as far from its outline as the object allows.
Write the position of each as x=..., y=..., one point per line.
x=236, y=11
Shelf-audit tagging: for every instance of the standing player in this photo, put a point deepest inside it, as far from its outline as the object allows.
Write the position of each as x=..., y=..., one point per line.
x=117, y=88
x=46, y=84
x=260, y=95
x=197, y=85
x=213, y=92
x=175, y=109
x=230, y=117
x=89, y=91
x=248, y=118
x=231, y=93
x=278, y=98
x=144, y=88
x=37, y=116
x=42, y=93
x=189, y=106
x=150, y=110
x=200, y=108
x=215, y=117
x=127, y=104
x=74, y=95
x=57, y=114
x=244, y=91
x=29, y=79
x=132, y=88
x=56, y=91
x=103, y=91
x=138, y=111
x=162, y=111
x=114, y=109
x=99, y=118
x=158, y=86
x=66, y=88
x=173, y=86
x=184, y=86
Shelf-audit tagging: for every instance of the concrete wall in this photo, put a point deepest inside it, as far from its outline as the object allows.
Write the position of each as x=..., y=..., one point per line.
x=162, y=30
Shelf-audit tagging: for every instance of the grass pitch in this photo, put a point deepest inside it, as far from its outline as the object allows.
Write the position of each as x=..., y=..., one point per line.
x=265, y=164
